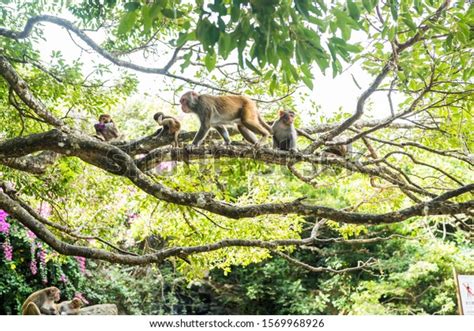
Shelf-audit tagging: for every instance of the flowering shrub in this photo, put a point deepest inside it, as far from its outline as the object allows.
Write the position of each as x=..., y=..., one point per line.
x=28, y=264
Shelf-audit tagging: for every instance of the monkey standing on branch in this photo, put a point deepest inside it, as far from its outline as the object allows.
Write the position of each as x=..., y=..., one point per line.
x=106, y=129
x=284, y=132
x=42, y=302
x=169, y=124
x=217, y=112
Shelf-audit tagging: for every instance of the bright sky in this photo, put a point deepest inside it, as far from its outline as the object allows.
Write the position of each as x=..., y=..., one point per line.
x=330, y=93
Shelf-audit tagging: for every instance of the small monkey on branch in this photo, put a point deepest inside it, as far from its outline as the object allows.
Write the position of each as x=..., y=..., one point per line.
x=169, y=125
x=106, y=129
x=218, y=112
x=284, y=132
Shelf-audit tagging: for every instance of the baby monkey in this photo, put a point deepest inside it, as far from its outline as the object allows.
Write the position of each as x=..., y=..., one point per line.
x=170, y=125
x=284, y=132
x=71, y=307
x=106, y=129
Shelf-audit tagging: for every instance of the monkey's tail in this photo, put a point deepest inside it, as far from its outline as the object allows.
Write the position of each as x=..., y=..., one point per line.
x=265, y=124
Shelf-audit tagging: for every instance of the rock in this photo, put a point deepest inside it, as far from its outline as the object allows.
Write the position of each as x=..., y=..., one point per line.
x=104, y=309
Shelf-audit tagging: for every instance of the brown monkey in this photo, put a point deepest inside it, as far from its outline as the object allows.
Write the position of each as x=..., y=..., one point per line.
x=106, y=129
x=71, y=307
x=217, y=112
x=339, y=150
x=42, y=302
x=284, y=132
x=169, y=125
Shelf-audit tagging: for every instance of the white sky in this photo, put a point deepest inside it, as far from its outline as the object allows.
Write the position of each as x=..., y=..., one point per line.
x=329, y=93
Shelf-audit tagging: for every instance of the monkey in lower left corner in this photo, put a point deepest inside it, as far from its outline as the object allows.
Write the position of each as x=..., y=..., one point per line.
x=106, y=129
x=42, y=302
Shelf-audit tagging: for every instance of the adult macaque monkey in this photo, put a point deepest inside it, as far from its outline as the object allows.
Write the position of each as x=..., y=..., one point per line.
x=106, y=129
x=217, y=112
x=169, y=124
x=284, y=132
x=42, y=302
x=71, y=307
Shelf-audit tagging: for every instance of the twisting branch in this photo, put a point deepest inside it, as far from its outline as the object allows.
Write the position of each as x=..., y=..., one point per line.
x=22, y=90
x=397, y=49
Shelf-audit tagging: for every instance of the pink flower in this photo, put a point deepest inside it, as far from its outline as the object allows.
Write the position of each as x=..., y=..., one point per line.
x=30, y=235
x=63, y=278
x=45, y=209
x=81, y=297
x=7, y=251
x=33, y=267
x=4, y=225
x=81, y=261
x=3, y=215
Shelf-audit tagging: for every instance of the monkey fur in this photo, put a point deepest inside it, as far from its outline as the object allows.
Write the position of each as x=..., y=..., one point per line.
x=106, y=129
x=218, y=112
x=71, y=307
x=170, y=125
x=42, y=302
x=284, y=132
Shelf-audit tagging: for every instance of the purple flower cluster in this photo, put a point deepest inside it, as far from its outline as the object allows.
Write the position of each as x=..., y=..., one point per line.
x=82, y=263
x=63, y=278
x=7, y=250
x=42, y=258
x=4, y=225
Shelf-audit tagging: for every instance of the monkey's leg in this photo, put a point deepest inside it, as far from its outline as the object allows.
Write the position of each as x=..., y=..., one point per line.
x=247, y=134
x=276, y=144
x=224, y=134
x=31, y=309
x=256, y=127
x=176, y=143
x=201, y=134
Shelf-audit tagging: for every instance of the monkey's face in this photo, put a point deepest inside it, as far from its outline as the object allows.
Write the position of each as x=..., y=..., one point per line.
x=54, y=293
x=105, y=119
x=158, y=116
x=288, y=117
x=188, y=101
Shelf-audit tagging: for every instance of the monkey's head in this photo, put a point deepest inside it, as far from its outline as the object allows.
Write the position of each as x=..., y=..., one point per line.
x=105, y=118
x=188, y=101
x=53, y=293
x=287, y=116
x=157, y=116
x=70, y=307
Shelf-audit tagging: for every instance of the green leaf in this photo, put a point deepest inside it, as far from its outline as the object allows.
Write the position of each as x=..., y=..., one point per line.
x=406, y=17
x=210, y=60
x=394, y=9
x=235, y=13
x=170, y=13
x=127, y=22
x=368, y=5
x=132, y=6
x=226, y=44
x=308, y=82
x=354, y=11
x=251, y=66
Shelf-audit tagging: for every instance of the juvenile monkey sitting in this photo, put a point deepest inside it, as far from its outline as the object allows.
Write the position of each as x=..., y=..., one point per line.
x=106, y=129
x=284, y=132
x=169, y=125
